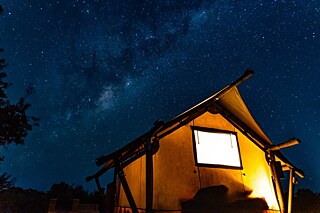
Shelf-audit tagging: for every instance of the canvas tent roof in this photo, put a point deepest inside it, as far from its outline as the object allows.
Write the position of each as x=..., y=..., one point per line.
x=228, y=102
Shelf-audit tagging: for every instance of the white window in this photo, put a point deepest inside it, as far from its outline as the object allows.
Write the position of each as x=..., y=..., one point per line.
x=216, y=148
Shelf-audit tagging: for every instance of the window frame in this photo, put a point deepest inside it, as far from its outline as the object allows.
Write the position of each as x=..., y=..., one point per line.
x=211, y=130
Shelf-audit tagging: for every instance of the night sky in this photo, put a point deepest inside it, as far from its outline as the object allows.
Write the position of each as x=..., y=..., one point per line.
x=103, y=71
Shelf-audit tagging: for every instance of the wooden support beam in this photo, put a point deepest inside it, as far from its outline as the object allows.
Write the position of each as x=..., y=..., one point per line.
x=149, y=176
x=277, y=182
x=126, y=189
x=114, y=198
x=98, y=185
x=102, y=207
x=290, y=193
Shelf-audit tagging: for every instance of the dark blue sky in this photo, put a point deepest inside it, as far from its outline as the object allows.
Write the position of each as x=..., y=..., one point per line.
x=104, y=71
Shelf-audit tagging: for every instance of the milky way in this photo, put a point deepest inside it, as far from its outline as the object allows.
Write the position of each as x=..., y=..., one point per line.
x=104, y=71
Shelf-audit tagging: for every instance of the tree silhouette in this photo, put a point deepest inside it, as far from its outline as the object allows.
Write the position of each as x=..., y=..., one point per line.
x=20, y=200
x=14, y=122
x=6, y=181
x=305, y=200
x=65, y=193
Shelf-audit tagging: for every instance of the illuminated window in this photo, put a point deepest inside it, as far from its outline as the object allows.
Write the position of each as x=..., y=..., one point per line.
x=216, y=148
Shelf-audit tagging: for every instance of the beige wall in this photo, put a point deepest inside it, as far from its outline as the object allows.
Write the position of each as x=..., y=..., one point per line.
x=176, y=178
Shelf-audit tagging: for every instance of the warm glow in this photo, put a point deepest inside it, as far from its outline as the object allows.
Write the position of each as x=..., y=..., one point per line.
x=263, y=188
x=217, y=148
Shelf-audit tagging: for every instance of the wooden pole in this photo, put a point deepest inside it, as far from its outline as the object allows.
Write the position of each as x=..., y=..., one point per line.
x=290, y=193
x=277, y=182
x=114, y=189
x=101, y=204
x=247, y=74
x=149, y=176
x=98, y=185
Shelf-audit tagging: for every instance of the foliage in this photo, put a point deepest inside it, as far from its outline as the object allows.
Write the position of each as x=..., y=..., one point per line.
x=14, y=122
x=33, y=201
x=6, y=181
x=65, y=193
x=20, y=200
x=306, y=200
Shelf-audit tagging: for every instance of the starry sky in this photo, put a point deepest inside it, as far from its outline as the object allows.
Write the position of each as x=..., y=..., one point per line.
x=102, y=72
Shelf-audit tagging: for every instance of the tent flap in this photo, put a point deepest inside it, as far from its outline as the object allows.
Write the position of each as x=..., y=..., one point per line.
x=233, y=103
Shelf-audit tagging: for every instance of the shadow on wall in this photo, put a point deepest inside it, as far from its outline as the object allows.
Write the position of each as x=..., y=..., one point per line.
x=214, y=198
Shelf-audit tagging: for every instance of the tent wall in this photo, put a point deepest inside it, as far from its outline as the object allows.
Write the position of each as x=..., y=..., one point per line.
x=135, y=174
x=177, y=178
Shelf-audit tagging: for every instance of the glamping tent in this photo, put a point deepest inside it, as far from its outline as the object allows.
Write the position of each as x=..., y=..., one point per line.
x=211, y=158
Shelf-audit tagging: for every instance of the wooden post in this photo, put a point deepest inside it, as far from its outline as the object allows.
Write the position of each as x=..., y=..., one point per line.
x=277, y=182
x=149, y=176
x=290, y=193
x=101, y=203
x=114, y=187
